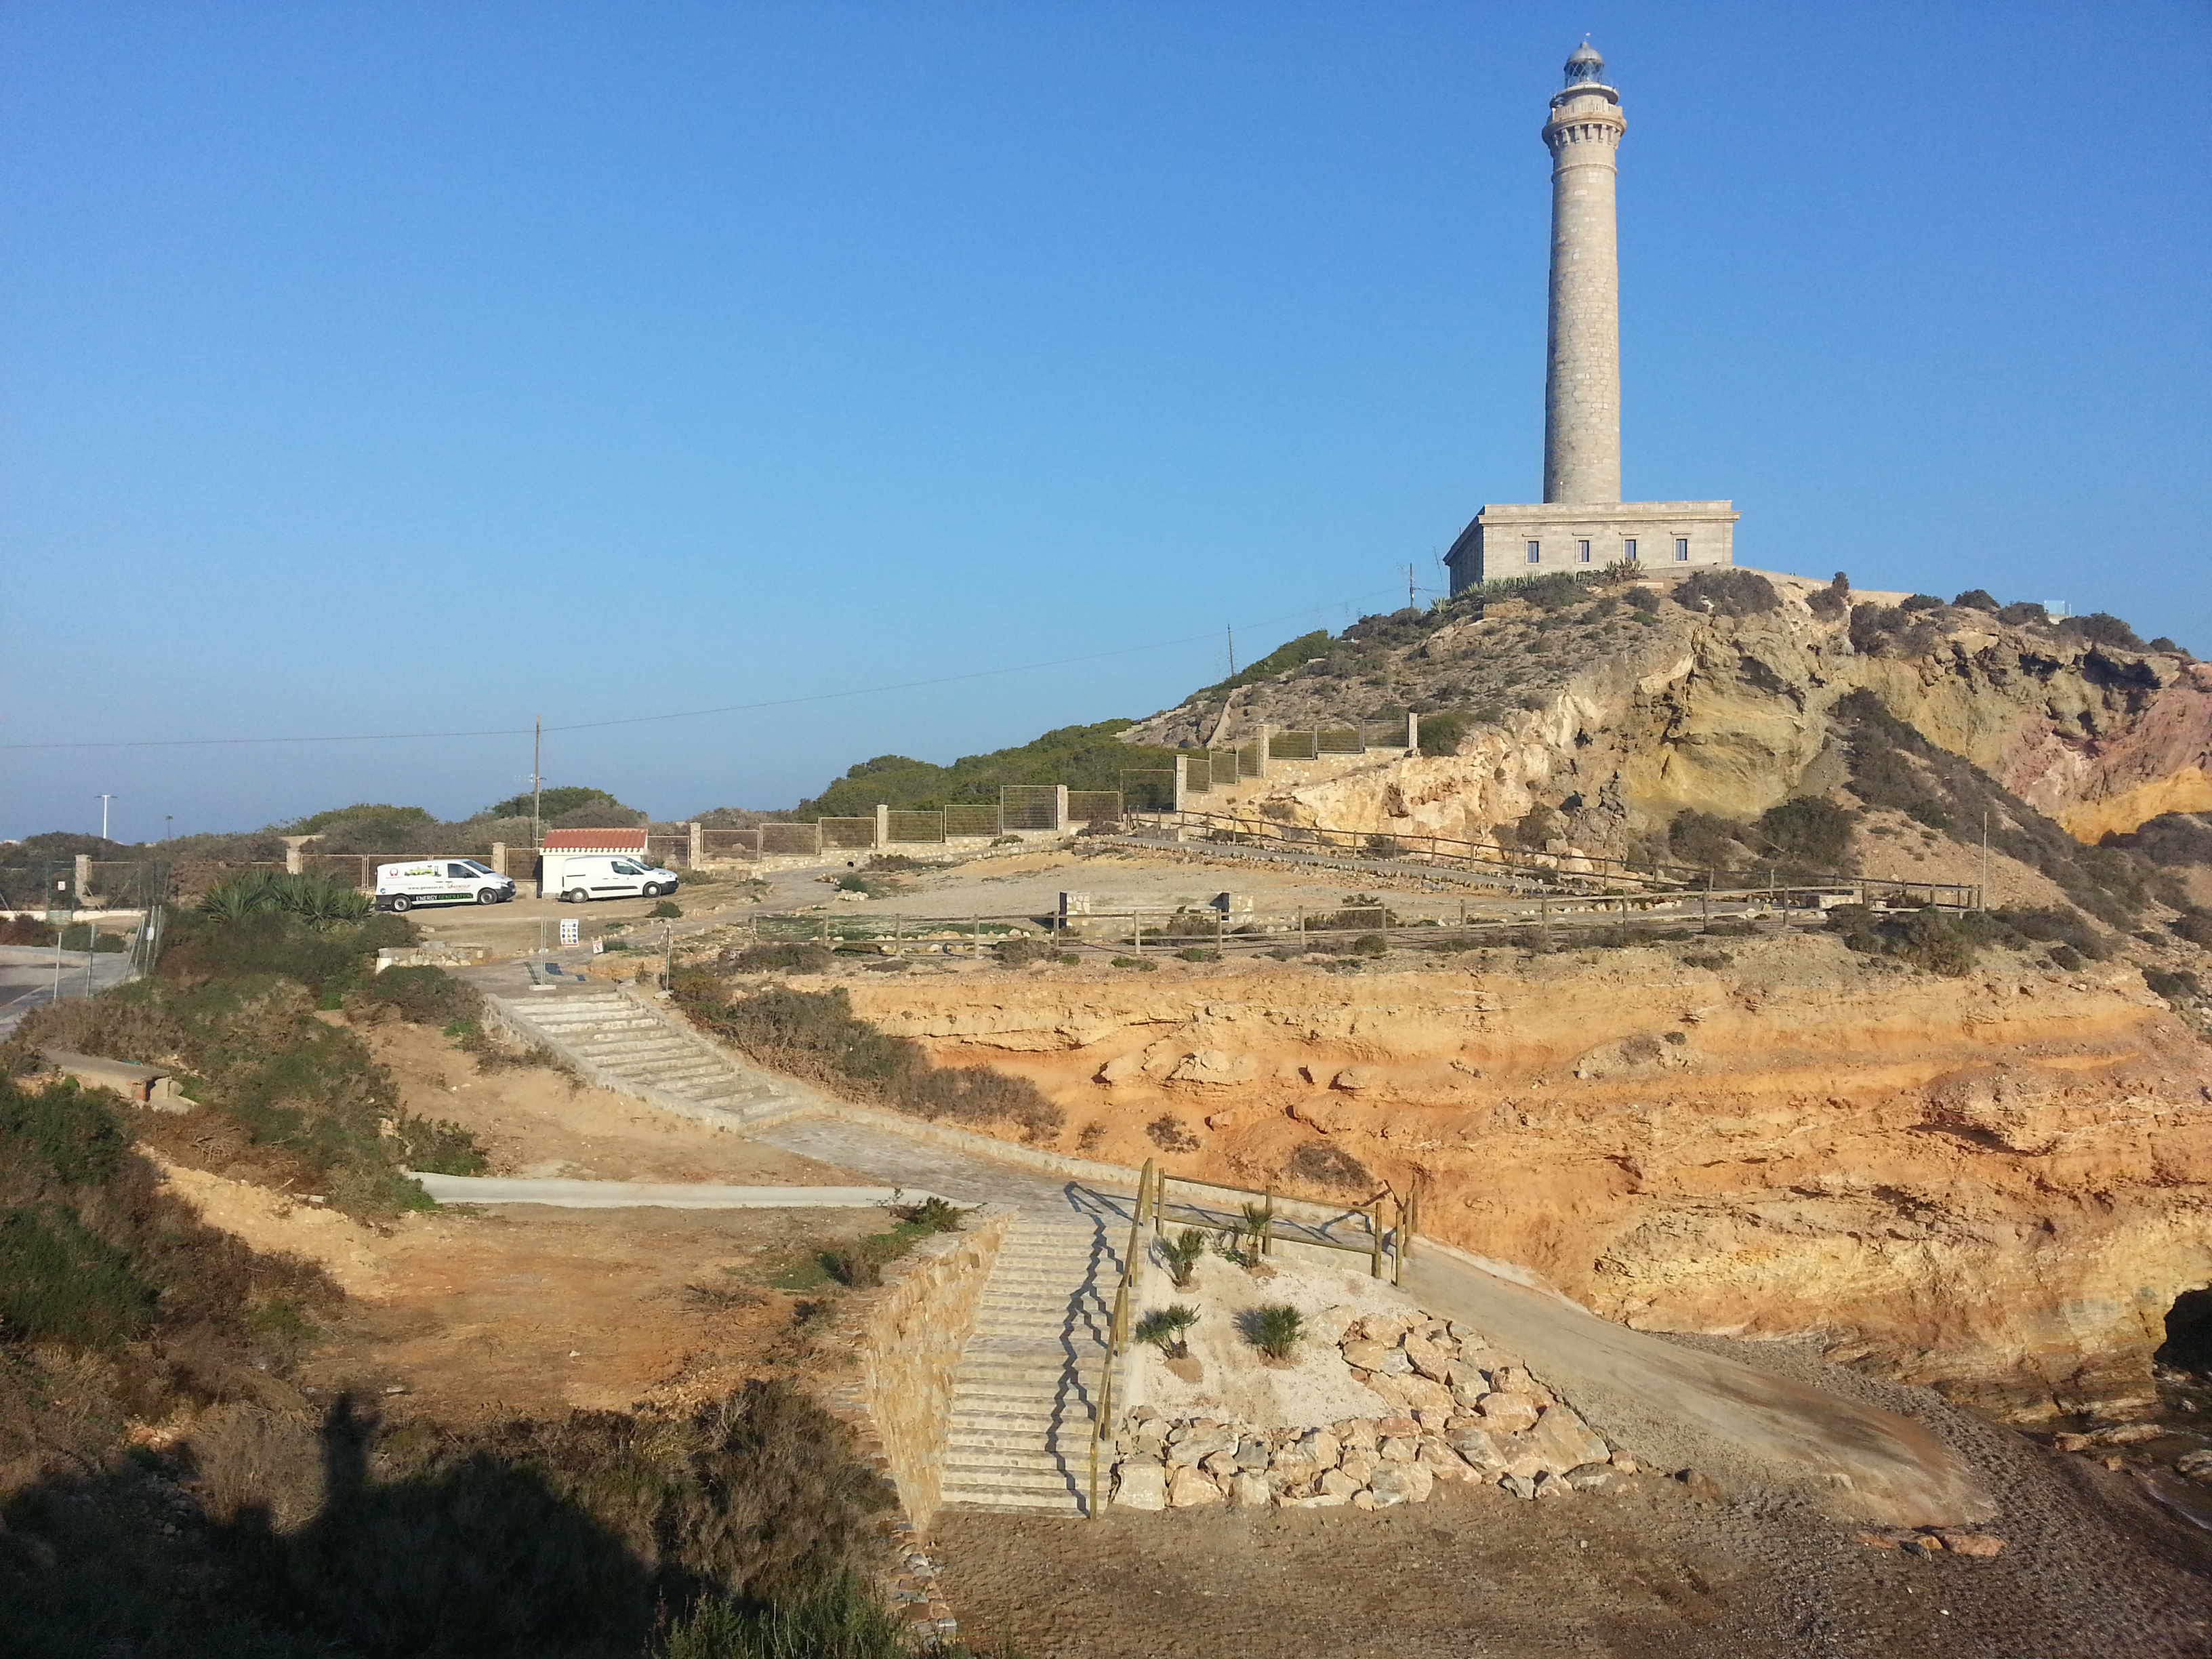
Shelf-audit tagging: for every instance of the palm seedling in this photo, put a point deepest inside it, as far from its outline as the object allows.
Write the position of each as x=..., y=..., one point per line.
x=1181, y=1255
x=1164, y=1328
x=1246, y=1242
x=1274, y=1330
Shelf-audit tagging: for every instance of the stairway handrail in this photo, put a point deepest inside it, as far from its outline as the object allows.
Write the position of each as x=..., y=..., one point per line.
x=1117, y=1328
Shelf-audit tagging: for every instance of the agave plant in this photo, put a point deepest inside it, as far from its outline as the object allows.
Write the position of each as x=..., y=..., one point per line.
x=1163, y=1329
x=316, y=901
x=1181, y=1255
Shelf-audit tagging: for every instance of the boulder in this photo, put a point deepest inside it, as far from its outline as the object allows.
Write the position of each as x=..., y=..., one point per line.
x=1320, y=1500
x=1198, y=1445
x=1189, y=1488
x=1359, y=1465
x=1482, y=1450
x=1322, y=1446
x=1409, y=1482
x=1139, y=1486
x=1519, y=1484
x=1441, y=1461
x=1357, y=1434
x=1554, y=1486
x=1341, y=1485
x=1427, y=1357
x=1251, y=1491
x=1220, y=1465
x=1373, y=1356
x=1332, y=1325
x=1564, y=1441
x=1252, y=1455
x=1411, y=1394
x=1508, y=1412
x=1214, y=1065
x=1981, y=1544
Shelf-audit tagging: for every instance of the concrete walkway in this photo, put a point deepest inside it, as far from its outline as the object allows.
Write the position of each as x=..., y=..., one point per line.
x=27, y=977
x=1022, y=1405
x=664, y=1194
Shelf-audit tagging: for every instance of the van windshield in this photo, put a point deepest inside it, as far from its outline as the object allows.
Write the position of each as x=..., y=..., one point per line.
x=479, y=867
x=624, y=867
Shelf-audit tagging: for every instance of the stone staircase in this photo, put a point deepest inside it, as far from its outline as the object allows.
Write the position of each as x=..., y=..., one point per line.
x=1019, y=1436
x=622, y=1042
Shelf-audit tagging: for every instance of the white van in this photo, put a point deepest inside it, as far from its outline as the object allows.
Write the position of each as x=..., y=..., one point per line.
x=441, y=881
x=578, y=878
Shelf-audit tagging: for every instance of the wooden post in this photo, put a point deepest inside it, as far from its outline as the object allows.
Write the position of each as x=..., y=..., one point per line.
x=1375, y=1239
x=1398, y=1241
x=1268, y=1226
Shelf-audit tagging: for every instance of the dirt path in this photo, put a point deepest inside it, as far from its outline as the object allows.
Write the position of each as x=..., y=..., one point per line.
x=2091, y=1569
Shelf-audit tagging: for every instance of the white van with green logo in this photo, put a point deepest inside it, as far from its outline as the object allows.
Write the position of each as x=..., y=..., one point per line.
x=578, y=878
x=441, y=881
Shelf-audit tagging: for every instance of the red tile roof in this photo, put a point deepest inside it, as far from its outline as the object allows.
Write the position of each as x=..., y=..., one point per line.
x=594, y=841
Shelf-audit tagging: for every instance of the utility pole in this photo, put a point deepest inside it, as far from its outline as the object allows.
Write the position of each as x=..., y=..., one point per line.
x=104, y=799
x=1413, y=597
x=536, y=779
x=1230, y=631
x=1982, y=898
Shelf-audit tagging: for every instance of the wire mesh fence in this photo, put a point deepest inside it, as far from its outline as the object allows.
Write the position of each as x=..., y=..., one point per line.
x=1093, y=806
x=846, y=833
x=911, y=829
x=1030, y=806
x=1149, y=791
x=972, y=821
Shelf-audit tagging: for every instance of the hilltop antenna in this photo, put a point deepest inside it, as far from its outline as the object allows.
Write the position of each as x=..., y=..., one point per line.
x=1230, y=629
x=1412, y=595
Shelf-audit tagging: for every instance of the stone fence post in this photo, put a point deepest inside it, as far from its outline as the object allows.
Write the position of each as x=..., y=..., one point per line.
x=882, y=826
x=697, y=851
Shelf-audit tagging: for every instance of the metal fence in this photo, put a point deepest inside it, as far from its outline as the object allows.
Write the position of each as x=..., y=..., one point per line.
x=1094, y=806
x=846, y=833
x=1030, y=806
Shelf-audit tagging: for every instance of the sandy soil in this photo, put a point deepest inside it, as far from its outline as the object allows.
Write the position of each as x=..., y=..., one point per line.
x=529, y=1310
x=533, y=1311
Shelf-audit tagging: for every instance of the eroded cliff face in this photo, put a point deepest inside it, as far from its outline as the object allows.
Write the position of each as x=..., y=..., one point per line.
x=1729, y=715
x=1997, y=1183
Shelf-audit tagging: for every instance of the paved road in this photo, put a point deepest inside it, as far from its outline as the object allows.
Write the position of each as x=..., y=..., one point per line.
x=27, y=979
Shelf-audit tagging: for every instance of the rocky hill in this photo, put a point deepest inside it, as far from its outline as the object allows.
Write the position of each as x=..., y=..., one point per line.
x=1695, y=717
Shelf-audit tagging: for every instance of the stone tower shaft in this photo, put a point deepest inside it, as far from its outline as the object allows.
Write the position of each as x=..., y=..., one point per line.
x=1582, y=381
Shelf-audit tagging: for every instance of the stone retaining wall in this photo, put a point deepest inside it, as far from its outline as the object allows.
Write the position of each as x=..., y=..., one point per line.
x=906, y=1338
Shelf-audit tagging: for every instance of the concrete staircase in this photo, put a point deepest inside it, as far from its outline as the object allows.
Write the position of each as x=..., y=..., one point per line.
x=620, y=1041
x=1019, y=1437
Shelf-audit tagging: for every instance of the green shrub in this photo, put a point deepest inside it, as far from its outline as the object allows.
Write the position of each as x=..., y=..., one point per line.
x=782, y=958
x=1808, y=834
x=2195, y=926
x=1442, y=733
x=815, y=1034
x=421, y=996
x=665, y=909
x=1712, y=959
x=1927, y=938
x=2175, y=987
x=1728, y=592
x=1274, y=1329
x=1023, y=949
x=1198, y=953
x=1326, y=1165
x=1167, y=1132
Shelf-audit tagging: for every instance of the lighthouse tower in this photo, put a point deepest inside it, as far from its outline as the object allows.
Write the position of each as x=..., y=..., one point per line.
x=1581, y=371
x=1582, y=524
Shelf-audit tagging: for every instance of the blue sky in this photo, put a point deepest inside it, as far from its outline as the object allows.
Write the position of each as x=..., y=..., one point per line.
x=406, y=367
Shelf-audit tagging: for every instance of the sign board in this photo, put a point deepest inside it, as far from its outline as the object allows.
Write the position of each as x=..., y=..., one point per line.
x=571, y=930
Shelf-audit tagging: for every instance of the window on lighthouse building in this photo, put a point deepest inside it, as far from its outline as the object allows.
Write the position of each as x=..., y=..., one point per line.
x=1535, y=552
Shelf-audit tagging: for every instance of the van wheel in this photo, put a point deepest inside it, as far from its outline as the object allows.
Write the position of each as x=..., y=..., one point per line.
x=578, y=896
x=401, y=902
x=487, y=896
x=650, y=890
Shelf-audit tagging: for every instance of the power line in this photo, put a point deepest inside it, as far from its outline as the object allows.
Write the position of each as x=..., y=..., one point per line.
x=678, y=715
